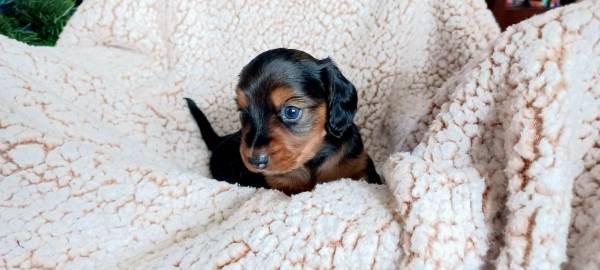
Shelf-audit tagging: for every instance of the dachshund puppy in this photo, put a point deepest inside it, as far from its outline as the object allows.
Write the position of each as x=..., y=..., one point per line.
x=297, y=126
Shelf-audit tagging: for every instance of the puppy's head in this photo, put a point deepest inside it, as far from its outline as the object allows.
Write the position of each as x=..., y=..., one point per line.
x=288, y=102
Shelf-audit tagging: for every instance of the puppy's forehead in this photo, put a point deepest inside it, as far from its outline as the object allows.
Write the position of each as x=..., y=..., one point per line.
x=275, y=98
x=285, y=79
x=274, y=77
x=268, y=75
x=281, y=62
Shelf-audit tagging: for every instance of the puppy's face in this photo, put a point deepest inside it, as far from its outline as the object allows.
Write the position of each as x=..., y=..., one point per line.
x=289, y=102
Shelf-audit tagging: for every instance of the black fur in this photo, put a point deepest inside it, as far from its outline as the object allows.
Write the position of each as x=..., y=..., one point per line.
x=225, y=161
x=319, y=81
x=270, y=70
x=341, y=99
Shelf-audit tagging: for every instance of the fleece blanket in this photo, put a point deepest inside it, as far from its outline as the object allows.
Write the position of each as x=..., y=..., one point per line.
x=489, y=144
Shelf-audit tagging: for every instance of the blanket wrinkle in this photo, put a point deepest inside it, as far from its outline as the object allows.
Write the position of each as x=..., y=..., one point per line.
x=534, y=136
x=489, y=143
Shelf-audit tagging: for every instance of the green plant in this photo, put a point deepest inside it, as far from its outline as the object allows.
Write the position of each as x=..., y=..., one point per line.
x=36, y=22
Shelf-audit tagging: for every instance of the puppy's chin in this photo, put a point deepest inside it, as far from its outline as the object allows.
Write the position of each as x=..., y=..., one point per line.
x=268, y=172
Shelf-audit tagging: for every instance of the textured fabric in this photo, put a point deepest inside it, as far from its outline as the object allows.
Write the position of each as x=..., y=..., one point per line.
x=102, y=166
x=513, y=136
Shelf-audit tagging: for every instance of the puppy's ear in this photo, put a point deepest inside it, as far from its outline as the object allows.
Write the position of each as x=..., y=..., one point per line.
x=341, y=98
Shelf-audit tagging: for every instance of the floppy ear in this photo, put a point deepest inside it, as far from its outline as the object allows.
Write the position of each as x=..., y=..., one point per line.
x=341, y=98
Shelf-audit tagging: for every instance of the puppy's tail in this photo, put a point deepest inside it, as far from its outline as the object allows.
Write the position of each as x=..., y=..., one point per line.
x=208, y=133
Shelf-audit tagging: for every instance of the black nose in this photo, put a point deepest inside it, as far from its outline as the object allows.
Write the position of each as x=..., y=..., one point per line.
x=259, y=160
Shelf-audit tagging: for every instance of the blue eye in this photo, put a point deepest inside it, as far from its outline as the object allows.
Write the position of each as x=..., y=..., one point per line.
x=291, y=113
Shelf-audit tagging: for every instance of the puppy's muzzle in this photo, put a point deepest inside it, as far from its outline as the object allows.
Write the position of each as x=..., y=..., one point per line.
x=259, y=160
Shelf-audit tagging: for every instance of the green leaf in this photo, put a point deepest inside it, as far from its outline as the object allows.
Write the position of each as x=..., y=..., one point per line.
x=44, y=17
x=9, y=27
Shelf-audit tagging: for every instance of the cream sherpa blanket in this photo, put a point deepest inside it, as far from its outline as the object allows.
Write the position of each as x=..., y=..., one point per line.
x=102, y=166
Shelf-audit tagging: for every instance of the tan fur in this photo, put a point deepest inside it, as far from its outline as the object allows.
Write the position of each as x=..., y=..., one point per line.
x=241, y=99
x=280, y=95
x=335, y=168
x=298, y=180
x=288, y=151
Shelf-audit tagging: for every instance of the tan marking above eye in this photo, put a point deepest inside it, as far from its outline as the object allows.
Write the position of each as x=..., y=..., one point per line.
x=295, y=101
x=241, y=99
x=281, y=95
